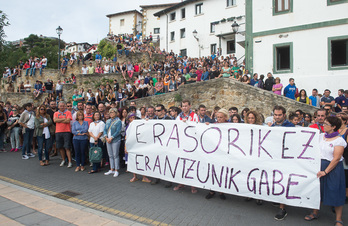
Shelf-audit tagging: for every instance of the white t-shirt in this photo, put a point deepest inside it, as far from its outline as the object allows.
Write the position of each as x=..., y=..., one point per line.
x=84, y=70
x=31, y=122
x=44, y=61
x=327, y=147
x=46, y=131
x=106, y=69
x=96, y=129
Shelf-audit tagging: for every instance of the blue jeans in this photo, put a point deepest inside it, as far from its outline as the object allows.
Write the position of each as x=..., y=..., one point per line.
x=120, y=51
x=27, y=141
x=14, y=137
x=2, y=140
x=40, y=71
x=40, y=141
x=126, y=52
x=32, y=71
x=27, y=71
x=80, y=146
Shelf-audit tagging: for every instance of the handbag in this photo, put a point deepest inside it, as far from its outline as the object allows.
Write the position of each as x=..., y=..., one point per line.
x=95, y=154
x=103, y=138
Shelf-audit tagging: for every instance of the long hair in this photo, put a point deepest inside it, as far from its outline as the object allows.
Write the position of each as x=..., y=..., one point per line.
x=38, y=111
x=256, y=115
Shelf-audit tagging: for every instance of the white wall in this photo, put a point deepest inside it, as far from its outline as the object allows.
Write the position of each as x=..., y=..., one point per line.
x=310, y=58
x=213, y=10
x=150, y=21
x=114, y=23
x=310, y=47
x=304, y=12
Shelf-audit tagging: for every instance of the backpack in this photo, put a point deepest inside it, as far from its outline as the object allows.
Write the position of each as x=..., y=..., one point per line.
x=95, y=154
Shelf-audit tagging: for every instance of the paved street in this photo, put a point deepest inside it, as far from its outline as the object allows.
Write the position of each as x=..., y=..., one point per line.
x=142, y=202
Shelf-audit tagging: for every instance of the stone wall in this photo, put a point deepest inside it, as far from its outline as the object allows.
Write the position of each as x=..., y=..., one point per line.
x=226, y=93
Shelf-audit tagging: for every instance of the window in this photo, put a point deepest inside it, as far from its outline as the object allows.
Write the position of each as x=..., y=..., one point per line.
x=282, y=58
x=338, y=53
x=231, y=2
x=199, y=8
x=182, y=33
x=334, y=2
x=231, y=46
x=183, y=52
x=172, y=16
x=282, y=6
x=212, y=27
x=183, y=13
x=172, y=36
x=213, y=48
x=156, y=30
x=122, y=22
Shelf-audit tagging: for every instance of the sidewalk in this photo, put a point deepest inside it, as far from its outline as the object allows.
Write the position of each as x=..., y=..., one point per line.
x=21, y=206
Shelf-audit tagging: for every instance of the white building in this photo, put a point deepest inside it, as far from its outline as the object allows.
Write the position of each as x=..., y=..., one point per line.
x=128, y=22
x=212, y=19
x=304, y=40
x=151, y=24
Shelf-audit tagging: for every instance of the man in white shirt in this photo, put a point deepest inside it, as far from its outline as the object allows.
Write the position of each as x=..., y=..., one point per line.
x=44, y=62
x=84, y=69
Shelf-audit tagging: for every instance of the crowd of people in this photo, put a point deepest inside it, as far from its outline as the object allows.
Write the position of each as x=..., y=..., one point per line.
x=69, y=130
x=100, y=118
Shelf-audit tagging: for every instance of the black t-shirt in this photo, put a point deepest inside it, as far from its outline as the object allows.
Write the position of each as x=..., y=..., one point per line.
x=48, y=85
x=166, y=117
x=116, y=86
x=50, y=112
x=214, y=74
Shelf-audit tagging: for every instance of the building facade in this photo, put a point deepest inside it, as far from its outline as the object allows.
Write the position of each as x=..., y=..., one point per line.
x=151, y=24
x=304, y=40
x=211, y=19
x=128, y=22
x=77, y=48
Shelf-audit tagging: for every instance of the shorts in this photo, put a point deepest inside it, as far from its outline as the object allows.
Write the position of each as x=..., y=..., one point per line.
x=63, y=140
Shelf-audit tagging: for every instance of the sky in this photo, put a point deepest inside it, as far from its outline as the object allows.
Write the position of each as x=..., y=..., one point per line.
x=82, y=21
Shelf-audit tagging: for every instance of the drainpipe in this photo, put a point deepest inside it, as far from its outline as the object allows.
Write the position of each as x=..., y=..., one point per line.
x=167, y=34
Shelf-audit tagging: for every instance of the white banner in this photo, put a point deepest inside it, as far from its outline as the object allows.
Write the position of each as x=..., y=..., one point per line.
x=276, y=164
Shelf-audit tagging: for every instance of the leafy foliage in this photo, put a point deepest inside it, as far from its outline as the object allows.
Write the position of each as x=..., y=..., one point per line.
x=33, y=46
x=3, y=23
x=106, y=49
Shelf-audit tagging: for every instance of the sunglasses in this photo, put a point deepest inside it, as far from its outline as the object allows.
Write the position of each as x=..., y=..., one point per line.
x=69, y=106
x=42, y=109
x=158, y=110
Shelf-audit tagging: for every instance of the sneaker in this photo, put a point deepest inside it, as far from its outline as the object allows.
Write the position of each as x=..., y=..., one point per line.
x=281, y=215
x=62, y=163
x=31, y=155
x=69, y=165
x=116, y=174
x=109, y=172
x=25, y=157
x=12, y=150
x=17, y=149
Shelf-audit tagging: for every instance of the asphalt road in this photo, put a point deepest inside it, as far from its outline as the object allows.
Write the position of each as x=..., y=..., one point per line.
x=143, y=202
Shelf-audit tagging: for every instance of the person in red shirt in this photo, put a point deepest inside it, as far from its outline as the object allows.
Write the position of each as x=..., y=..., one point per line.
x=62, y=119
x=321, y=116
x=186, y=115
x=26, y=67
x=89, y=114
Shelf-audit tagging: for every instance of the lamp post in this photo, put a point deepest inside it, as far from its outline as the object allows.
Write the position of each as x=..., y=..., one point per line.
x=59, y=31
x=235, y=27
x=199, y=46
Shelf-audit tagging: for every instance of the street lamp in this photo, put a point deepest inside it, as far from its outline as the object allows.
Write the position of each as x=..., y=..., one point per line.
x=195, y=35
x=235, y=27
x=199, y=46
x=59, y=31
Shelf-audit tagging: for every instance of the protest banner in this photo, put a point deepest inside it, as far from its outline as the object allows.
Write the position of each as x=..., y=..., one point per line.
x=277, y=164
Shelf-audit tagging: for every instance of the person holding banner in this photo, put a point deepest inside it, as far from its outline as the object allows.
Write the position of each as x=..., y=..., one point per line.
x=186, y=115
x=112, y=135
x=332, y=178
x=221, y=117
x=321, y=116
x=253, y=117
x=131, y=117
x=279, y=115
x=161, y=115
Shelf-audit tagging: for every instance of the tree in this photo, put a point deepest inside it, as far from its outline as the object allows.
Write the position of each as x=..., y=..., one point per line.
x=3, y=23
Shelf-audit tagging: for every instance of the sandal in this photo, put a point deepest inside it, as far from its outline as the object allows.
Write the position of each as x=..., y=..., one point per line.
x=311, y=216
x=92, y=171
x=339, y=222
x=178, y=187
x=146, y=180
x=134, y=179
